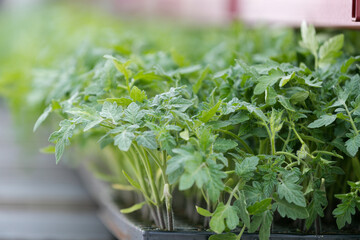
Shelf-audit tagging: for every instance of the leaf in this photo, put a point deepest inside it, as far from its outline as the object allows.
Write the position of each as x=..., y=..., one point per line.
x=324, y=120
x=243, y=212
x=42, y=117
x=247, y=167
x=61, y=138
x=264, y=233
x=291, y=191
x=121, y=67
x=286, y=79
x=196, y=87
x=214, y=184
x=344, y=210
x=124, y=140
x=223, y=145
x=147, y=139
x=348, y=63
x=352, y=145
x=137, y=95
x=206, y=116
x=299, y=97
x=203, y=212
x=330, y=50
x=224, y=214
x=260, y=207
x=285, y=103
x=133, y=114
x=49, y=149
x=266, y=81
x=316, y=207
x=132, y=182
x=133, y=208
x=111, y=111
x=309, y=40
x=289, y=209
x=185, y=134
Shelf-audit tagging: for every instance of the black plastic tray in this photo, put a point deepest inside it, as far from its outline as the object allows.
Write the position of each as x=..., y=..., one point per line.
x=125, y=229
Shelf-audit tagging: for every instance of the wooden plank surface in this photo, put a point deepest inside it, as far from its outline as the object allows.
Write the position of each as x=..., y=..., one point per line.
x=40, y=200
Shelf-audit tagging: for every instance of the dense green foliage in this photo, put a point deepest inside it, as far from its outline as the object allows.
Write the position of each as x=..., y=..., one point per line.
x=256, y=122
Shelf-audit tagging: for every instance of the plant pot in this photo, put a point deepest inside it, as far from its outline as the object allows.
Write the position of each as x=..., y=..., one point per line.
x=125, y=228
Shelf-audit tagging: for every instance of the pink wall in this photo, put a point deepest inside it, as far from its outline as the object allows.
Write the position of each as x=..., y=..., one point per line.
x=334, y=13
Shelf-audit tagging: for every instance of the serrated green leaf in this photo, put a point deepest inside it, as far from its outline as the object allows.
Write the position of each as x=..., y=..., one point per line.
x=324, y=120
x=266, y=81
x=264, y=233
x=124, y=140
x=61, y=138
x=247, y=167
x=224, y=214
x=291, y=191
x=224, y=145
x=309, y=41
x=260, y=207
x=240, y=203
x=316, y=207
x=137, y=95
x=147, y=139
x=289, y=209
x=348, y=63
x=207, y=115
x=344, y=210
x=330, y=50
x=133, y=113
x=352, y=145
x=111, y=111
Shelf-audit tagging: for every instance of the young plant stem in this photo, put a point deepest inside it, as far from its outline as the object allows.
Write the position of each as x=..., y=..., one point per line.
x=351, y=120
x=238, y=237
x=248, y=149
x=155, y=193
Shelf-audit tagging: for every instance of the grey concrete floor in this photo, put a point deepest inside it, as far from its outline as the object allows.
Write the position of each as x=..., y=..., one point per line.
x=39, y=199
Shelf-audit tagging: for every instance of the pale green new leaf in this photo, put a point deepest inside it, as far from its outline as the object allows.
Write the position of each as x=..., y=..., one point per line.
x=203, y=212
x=207, y=115
x=330, y=50
x=324, y=120
x=133, y=208
x=309, y=41
x=42, y=117
x=137, y=95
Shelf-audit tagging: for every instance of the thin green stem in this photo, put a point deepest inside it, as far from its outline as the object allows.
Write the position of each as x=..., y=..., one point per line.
x=351, y=120
x=328, y=153
x=248, y=149
x=241, y=233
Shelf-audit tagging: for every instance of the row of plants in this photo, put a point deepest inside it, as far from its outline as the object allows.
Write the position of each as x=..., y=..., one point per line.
x=244, y=125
